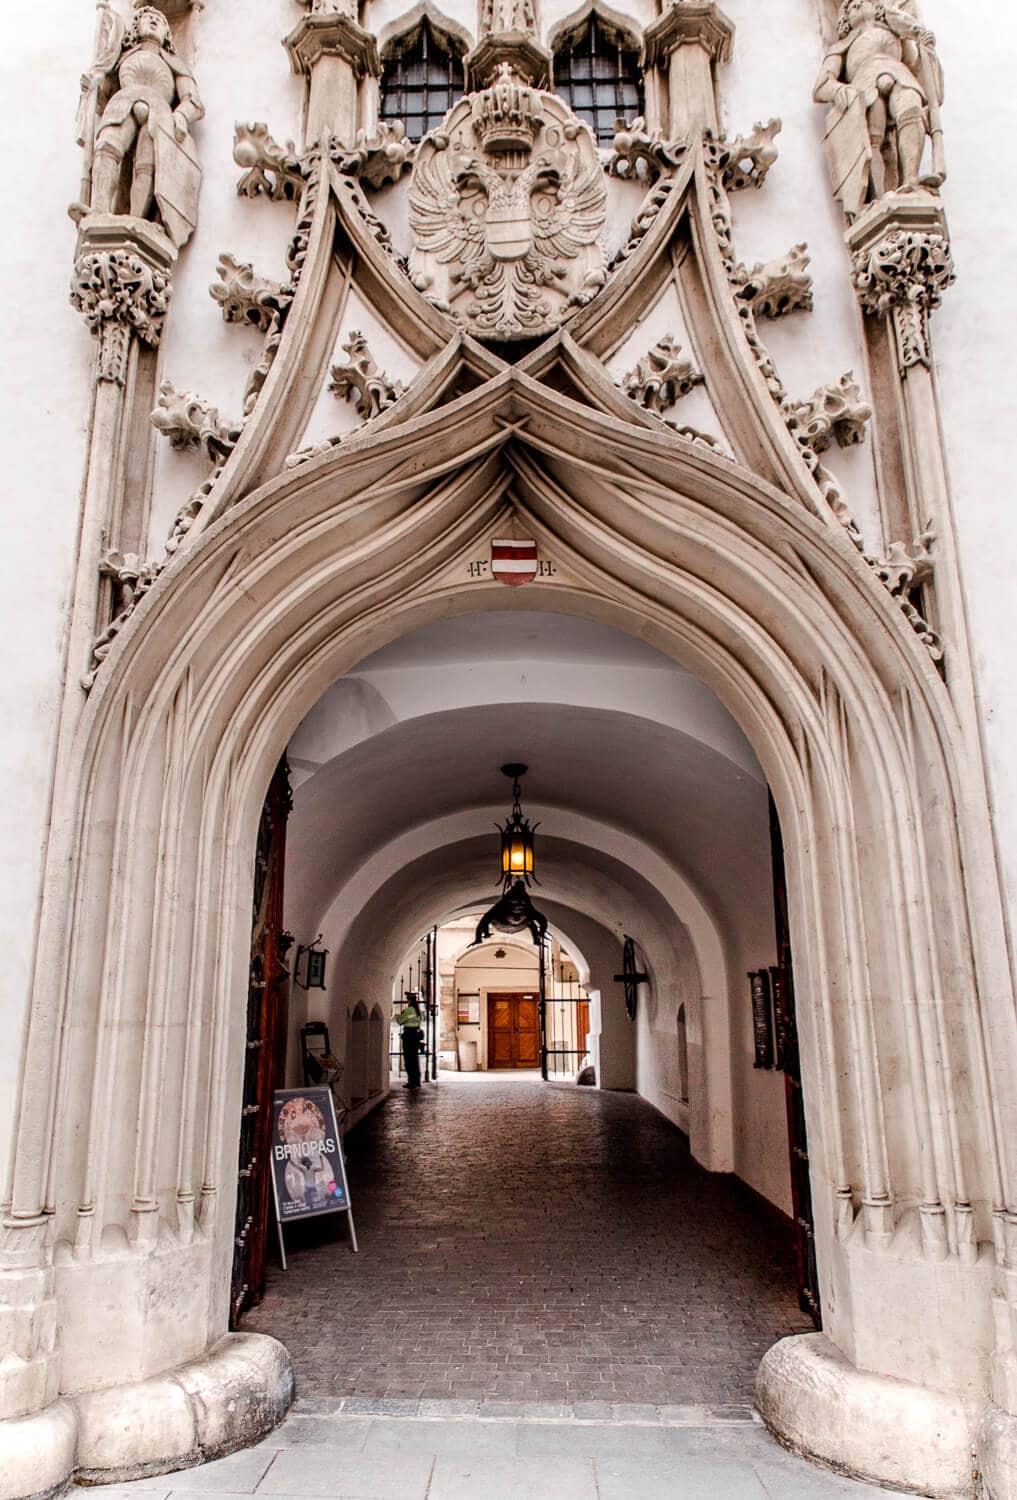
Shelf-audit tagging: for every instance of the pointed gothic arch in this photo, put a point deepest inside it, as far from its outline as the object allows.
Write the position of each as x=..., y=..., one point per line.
x=743, y=572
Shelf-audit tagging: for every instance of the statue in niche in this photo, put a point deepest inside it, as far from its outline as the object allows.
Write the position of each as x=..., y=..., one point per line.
x=507, y=15
x=884, y=85
x=139, y=102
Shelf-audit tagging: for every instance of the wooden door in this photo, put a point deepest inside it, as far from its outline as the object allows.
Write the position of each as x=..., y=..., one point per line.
x=513, y=1030
x=265, y=1051
x=782, y=983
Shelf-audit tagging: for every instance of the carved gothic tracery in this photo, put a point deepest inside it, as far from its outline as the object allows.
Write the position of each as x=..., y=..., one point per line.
x=833, y=413
x=246, y=297
x=636, y=154
x=506, y=207
x=379, y=158
x=746, y=161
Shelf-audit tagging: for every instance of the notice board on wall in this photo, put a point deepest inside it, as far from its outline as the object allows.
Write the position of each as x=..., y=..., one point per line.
x=308, y=1169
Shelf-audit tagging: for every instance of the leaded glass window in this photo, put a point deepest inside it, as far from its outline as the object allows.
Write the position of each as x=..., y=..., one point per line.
x=422, y=76
x=596, y=69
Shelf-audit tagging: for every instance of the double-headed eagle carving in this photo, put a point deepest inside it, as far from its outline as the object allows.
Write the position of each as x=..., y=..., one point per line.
x=507, y=239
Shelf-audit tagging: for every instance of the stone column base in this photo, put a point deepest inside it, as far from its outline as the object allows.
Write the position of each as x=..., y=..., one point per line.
x=868, y=1426
x=229, y=1399
x=997, y=1454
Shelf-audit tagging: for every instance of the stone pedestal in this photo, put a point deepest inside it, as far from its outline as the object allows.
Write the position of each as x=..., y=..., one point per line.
x=681, y=47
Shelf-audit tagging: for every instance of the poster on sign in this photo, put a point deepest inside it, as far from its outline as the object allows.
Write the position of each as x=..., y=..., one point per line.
x=308, y=1169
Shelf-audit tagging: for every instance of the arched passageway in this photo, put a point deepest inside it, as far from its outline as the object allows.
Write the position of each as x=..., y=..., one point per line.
x=764, y=603
x=526, y=1242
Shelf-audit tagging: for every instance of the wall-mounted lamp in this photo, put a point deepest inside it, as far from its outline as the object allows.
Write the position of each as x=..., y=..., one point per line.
x=309, y=968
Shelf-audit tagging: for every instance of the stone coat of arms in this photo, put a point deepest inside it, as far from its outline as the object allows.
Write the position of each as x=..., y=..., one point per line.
x=507, y=202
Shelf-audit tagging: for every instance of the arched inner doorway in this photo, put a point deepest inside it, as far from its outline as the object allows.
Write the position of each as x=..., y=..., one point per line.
x=654, y=826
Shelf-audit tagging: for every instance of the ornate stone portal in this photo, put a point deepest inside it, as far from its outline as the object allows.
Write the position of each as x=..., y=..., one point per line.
x=507, y=202
x=750, y=567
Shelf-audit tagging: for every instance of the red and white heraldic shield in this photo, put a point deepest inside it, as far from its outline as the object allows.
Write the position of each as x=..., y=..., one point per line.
x=514, y=561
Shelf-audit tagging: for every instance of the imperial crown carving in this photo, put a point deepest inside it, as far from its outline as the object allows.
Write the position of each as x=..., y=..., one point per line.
x=507, y=202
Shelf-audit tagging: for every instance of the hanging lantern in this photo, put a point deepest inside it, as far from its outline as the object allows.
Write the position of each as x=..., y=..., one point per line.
x=517, y=862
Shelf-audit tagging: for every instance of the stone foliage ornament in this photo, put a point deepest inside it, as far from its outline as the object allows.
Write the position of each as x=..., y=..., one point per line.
x=905, y=273
x=662, y=376
x=904, y=570
x=636, y=155
x=746, y=161
x=269, y=168
x=377, y=158
x=139, y=101
x=116, y=292
x=507, y=202
x=776, y=287
x=884, y=85
x=190, y=422
x=360, y=380
x=246, y=297
x=833, y=413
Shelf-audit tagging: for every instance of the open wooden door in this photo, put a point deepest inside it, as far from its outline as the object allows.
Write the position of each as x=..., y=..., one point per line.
x=782, y=984
x=265, y=1048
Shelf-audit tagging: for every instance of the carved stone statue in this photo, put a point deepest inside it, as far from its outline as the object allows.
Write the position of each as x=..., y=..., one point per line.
x=143, y=161
x=507, y=15
x=884, y=84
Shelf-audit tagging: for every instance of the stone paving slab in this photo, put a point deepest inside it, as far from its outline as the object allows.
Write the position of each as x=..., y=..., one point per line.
x=488, y=1458
x=527, y=1244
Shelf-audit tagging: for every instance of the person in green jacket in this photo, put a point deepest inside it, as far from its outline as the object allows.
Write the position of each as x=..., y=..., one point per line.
x=409, y=1019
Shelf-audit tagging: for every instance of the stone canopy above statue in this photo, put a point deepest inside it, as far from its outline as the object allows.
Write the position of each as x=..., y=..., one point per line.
x=507, y=202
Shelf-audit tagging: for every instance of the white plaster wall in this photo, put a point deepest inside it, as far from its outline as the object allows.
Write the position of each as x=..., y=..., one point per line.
x=976, y=370
x=47, y=364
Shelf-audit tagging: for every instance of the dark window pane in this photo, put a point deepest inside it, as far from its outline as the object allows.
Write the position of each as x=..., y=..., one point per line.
x=421, y=77
x=598, y=75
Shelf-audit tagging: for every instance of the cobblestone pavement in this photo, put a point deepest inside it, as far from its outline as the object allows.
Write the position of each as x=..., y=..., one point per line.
x=365, y=1457
x=521, y=1241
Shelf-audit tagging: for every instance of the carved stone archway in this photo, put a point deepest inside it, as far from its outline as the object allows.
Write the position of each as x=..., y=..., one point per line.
x=894, y=907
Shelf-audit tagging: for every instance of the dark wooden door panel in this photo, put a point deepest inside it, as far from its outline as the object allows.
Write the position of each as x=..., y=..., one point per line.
x=513, y=1030
x=265, y=1049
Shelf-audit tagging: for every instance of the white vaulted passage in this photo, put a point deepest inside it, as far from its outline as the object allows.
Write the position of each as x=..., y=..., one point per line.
x=654, y=825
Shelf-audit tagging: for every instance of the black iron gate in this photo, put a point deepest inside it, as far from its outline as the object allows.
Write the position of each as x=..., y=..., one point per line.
x=421, y=982
x=564, y=1016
